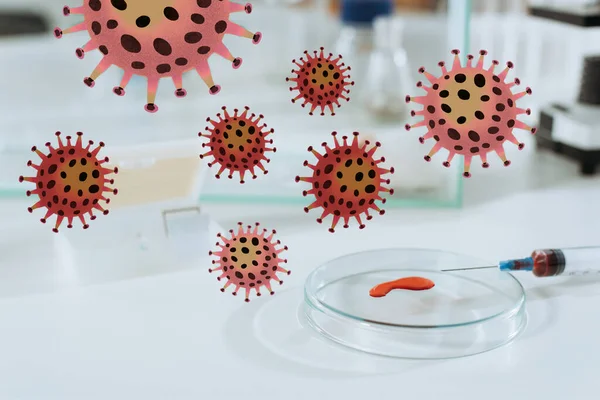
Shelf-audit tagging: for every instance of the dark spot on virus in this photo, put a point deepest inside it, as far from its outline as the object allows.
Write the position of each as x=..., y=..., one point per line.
x=221, y=27
x=485, y=97
x=120, y=5
x=95, y=5
x=461, y=120
x=493, y=130
x=142, y=21
x=474, y=136
x=464, y=94
x=446, y=108
x=162, y=47
x=181, y=61
x=171, y=14
x=163, y=68
x=453, y=134
x=96, y=27
x=203, y=50
x=444, y=94
x=138, y=65
x=474, y=149
x=431, y=109
x=500, y=107
x=111, y=24
x=197, y=19
x=479, y=80
x=192, y=37
x=497, y=91
x=460, y=78
x=131, y=44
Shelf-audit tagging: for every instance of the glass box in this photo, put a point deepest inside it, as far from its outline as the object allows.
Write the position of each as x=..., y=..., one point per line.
x=50, y=96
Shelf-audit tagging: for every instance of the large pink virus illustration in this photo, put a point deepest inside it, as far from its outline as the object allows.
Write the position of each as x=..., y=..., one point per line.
x=238, y=143
x=158, y=39
x=321, y=81
x=70, y=181
x=347, y=181
x=249, y=259
x=470, y=111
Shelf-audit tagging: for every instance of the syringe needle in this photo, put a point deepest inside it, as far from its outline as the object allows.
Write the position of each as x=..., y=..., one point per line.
x=468, y=269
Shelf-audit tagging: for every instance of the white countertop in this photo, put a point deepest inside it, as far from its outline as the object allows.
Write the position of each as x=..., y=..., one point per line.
x=177, y=336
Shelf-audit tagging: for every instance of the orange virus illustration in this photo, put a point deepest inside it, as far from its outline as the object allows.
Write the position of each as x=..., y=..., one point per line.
x=70, y=181
x=158, y=39
x=346, y=181
x=238, y=143
x=321, y=81
x=470, y=111
x=249, y=260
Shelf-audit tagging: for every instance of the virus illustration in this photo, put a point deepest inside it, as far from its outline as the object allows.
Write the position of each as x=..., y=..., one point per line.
x=321, y=81
x=470, y=111
x=70, y=181
x=249, y=260
x=346, y=181
x=158, y=39
x=238, y=143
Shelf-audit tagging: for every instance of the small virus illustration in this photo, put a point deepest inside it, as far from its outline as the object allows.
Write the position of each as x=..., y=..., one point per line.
x=249, y=260
x=321, y=81
x=238, y=143
x=158, y=39
x=346, y=181
x=70, y=181
x=470, y=111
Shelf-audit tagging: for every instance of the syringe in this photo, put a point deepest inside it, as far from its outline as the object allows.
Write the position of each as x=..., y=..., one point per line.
x=552, y=262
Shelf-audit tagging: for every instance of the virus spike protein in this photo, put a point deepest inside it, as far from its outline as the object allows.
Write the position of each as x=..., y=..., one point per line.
x=249, y=260
x=146, y=38
x=470, y=110
x=70, y=181
x=321, y=81
x=238, y=143
x=346, y=181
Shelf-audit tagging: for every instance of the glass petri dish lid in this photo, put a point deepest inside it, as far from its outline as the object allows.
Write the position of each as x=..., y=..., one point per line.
x=465, y=313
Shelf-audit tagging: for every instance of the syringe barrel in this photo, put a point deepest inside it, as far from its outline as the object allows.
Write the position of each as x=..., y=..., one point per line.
x=571, y=261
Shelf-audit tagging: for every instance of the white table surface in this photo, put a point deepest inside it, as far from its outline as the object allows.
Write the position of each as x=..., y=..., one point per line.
x=176, y=336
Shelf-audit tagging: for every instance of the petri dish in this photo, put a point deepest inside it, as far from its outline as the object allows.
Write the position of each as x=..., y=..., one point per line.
x=465, y=313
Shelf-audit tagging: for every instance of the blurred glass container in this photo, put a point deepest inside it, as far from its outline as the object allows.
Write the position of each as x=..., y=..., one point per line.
x=356, y=37
x=388, y=75
x=289, y=27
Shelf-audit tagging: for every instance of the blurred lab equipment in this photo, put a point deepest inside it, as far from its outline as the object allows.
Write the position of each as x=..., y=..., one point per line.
x=357, y=36
x=572, y=129
x=14, y=23
x=388, y=75
x=551, y=262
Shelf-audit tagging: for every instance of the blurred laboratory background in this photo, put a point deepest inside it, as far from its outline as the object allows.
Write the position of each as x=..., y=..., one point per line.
x=555, y=47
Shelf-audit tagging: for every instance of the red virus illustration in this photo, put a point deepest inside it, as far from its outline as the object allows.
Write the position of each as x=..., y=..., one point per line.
x=470, y=111
x=249, y=260
x=346, y=181
x=158, y=39
x=321, y=81
x=70, y=181
x=238, y=143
